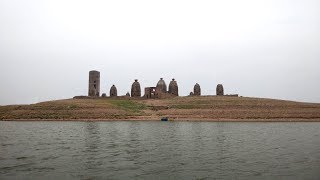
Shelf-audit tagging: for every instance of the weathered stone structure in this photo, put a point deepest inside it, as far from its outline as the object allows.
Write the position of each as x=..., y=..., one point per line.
x=197, y=90
x=159, y=92
x=136, y=89
x=219, y=90
x=161, y=86
x=150, y=92
x=113, y=91
x=161, y=89
x=94, y=84
x=173, y=88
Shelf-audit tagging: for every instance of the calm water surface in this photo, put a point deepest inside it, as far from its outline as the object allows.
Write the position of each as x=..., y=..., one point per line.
x=159, y=150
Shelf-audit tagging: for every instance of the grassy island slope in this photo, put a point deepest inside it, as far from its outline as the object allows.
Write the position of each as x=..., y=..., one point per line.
x=211, y=108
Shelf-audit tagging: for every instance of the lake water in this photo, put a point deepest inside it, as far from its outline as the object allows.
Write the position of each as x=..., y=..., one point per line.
x=159, y=150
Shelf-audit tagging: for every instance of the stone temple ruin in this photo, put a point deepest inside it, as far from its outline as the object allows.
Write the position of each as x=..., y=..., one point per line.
x=173, y=88
x=113, y=91
x=197, y=90
x=219, y=90
x=150, y=92
x=136, y=89
x=158, y=92
x=161, y=86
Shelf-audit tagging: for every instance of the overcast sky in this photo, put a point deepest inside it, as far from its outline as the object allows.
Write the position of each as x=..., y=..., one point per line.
x=257, y=48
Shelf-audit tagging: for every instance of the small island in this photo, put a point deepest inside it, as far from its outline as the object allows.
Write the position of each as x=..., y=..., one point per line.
x=157, y=103
x=193, y=108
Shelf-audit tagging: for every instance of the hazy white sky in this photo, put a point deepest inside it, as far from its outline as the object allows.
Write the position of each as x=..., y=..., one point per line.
x=257, y=48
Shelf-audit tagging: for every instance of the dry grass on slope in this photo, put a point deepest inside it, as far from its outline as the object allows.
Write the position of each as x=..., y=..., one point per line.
x=184, y=108
x=216, y=107
x=74, y=109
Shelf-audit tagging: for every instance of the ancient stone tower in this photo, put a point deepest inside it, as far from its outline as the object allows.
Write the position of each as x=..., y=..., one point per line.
x=136, y=89
x=220, y=91
x=161, y=86
x=113, y=91
x=94, y=84
x=173, y=88
x=197, y=90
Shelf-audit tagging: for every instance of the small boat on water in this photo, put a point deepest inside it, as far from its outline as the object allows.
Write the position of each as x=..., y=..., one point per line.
x=165, y=119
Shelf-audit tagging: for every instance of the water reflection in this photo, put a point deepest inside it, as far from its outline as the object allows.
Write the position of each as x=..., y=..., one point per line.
x=133, y=145
x=92, y=150
x=222, y=149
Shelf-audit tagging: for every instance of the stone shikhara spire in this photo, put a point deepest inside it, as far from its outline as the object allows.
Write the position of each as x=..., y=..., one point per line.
x=113, y=91
x=161, y=86
x=136, y=89
x=220, y=91
x=197, y=90
x=173, y=88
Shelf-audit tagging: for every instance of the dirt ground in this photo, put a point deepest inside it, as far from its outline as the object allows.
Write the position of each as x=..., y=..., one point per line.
x=204, y=108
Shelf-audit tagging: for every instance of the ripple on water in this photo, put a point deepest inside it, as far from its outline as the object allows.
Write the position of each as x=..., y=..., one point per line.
x=149, y=150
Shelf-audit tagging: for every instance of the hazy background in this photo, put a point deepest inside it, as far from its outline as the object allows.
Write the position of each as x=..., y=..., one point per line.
x=259, y=48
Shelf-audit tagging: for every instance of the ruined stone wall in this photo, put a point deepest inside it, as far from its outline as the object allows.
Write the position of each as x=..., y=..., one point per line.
x=94, y=84
x=149, y=92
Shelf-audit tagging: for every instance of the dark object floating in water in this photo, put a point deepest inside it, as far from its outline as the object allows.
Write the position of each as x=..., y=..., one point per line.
x=164, y=119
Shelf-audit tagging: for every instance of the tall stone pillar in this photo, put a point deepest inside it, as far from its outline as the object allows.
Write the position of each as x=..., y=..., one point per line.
x=94, y=84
